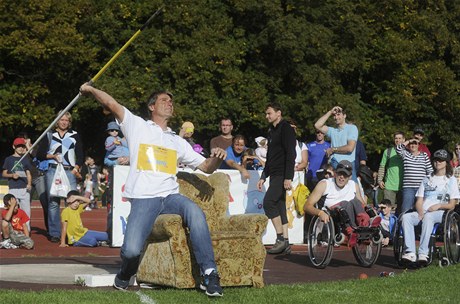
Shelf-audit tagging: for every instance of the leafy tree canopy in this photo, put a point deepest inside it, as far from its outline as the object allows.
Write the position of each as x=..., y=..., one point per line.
x=393, y=64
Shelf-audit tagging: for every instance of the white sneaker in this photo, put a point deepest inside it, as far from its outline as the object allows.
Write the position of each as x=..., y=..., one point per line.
x=409, y=256
x=423, y=258
x=7, y=244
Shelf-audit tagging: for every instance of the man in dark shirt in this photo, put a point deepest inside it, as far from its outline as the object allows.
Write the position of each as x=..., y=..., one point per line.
x=280, y=168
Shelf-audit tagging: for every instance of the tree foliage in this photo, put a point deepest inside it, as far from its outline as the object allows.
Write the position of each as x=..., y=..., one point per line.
x=393, y=64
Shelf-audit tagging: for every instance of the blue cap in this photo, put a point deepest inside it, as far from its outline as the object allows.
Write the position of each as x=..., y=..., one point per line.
x=112, y=126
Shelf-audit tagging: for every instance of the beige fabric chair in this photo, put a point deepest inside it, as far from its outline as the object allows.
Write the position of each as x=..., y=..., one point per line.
x=236, y=239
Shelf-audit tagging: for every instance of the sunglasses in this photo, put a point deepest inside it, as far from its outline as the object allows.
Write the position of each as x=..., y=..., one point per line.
x=347, y=167
x=413, y=143
x=439, y=160
x=113, y=130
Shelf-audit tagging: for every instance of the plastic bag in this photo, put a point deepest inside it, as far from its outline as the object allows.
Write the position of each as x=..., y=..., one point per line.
x=60, y=185
x=300, y=194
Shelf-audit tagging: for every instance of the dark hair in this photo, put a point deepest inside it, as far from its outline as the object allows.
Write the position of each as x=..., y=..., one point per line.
x=239, y=137
x=154, y=96
x=72, y=192
x=386, y=202
x=7, y=198
x=275, y=106
x=449, y=170
x=249, y=152
x=226, y=118
x=398, y=133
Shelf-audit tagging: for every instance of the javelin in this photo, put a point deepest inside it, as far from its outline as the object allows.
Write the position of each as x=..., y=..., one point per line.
x=93, y=80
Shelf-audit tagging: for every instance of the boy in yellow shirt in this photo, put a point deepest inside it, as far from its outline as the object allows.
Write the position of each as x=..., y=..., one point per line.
x=72, y=226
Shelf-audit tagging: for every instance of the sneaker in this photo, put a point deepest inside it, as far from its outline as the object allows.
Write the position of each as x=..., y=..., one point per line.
x=280, y=247
x=7, y=244
x=120, y=284
x=55, y=239
x=211, y=284
x=423, y=259
x=103, y=244
x=353, y=239
x=375, y=221
x=409, y=257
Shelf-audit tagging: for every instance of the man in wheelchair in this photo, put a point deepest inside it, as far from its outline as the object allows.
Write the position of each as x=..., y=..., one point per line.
x=340, y=193
x=436, y=194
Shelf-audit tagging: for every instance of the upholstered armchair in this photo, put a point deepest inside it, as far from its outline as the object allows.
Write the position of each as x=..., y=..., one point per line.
x=237, y=240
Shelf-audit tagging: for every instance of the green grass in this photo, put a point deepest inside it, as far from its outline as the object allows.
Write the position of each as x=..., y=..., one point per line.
x=429, y=285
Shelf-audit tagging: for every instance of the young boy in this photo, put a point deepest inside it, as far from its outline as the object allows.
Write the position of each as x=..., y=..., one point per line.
x=18, y=175
x=14, y=225
x=388, y=221
x=72, y=226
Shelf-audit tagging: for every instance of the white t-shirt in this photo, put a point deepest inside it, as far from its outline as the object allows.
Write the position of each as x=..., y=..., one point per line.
x=261, y=152
x=145, y=183
x=298, y=152
x=437, y=189
x=335, y=194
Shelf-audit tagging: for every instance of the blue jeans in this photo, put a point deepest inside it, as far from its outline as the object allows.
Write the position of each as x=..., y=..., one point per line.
x=408, y=198
x=410, y=220
x=141, y=219
x=90, y=238
x=354, y=177
x=54, y=211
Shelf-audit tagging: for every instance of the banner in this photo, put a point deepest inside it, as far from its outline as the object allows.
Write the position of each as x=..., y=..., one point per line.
x=244, y=198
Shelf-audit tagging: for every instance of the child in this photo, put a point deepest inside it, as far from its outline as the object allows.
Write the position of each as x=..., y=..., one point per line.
x=88, y=185
x=388, y=221
x=252, y=162
x=72, y=226
x=326, y=171
x=19, y=176
x=262, y=146
x=115, y=146
x=15, y=231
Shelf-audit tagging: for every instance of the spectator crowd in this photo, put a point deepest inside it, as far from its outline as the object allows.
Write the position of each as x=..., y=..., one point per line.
x=58, y=160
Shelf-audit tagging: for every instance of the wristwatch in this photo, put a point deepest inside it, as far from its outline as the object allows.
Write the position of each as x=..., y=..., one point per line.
x=334, y=149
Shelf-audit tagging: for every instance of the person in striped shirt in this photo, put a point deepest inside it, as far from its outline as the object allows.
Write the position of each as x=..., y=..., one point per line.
x=417, y=165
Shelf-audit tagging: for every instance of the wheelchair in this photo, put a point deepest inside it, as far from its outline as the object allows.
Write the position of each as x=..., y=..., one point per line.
x=322, y=237
x=444, y=240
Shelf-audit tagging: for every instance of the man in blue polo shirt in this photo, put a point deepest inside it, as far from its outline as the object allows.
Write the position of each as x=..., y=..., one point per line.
x=316, y=158
x=343, y=137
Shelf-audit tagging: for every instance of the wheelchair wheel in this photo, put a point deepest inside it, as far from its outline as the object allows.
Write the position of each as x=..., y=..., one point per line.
x=367, y=250
x=398, y=242
x=452, y=237
x=320, y=242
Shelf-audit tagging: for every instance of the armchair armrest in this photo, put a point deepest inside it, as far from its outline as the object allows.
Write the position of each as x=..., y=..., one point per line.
x=256, y=223
x=166, y=226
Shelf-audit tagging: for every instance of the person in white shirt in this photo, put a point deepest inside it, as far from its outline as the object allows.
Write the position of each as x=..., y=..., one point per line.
x=436, y=194
x=152, y=188
x=341, y=192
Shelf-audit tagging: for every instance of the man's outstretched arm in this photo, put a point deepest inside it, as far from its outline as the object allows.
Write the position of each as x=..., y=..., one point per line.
x=107, y=101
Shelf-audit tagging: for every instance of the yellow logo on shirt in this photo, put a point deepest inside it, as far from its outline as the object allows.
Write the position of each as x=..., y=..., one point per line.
x=156, y=159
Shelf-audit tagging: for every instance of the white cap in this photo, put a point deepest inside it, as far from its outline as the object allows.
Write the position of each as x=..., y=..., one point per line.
x=259, y=139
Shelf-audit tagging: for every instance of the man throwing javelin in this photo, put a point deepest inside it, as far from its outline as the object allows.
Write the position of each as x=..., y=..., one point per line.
x=152, y=187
